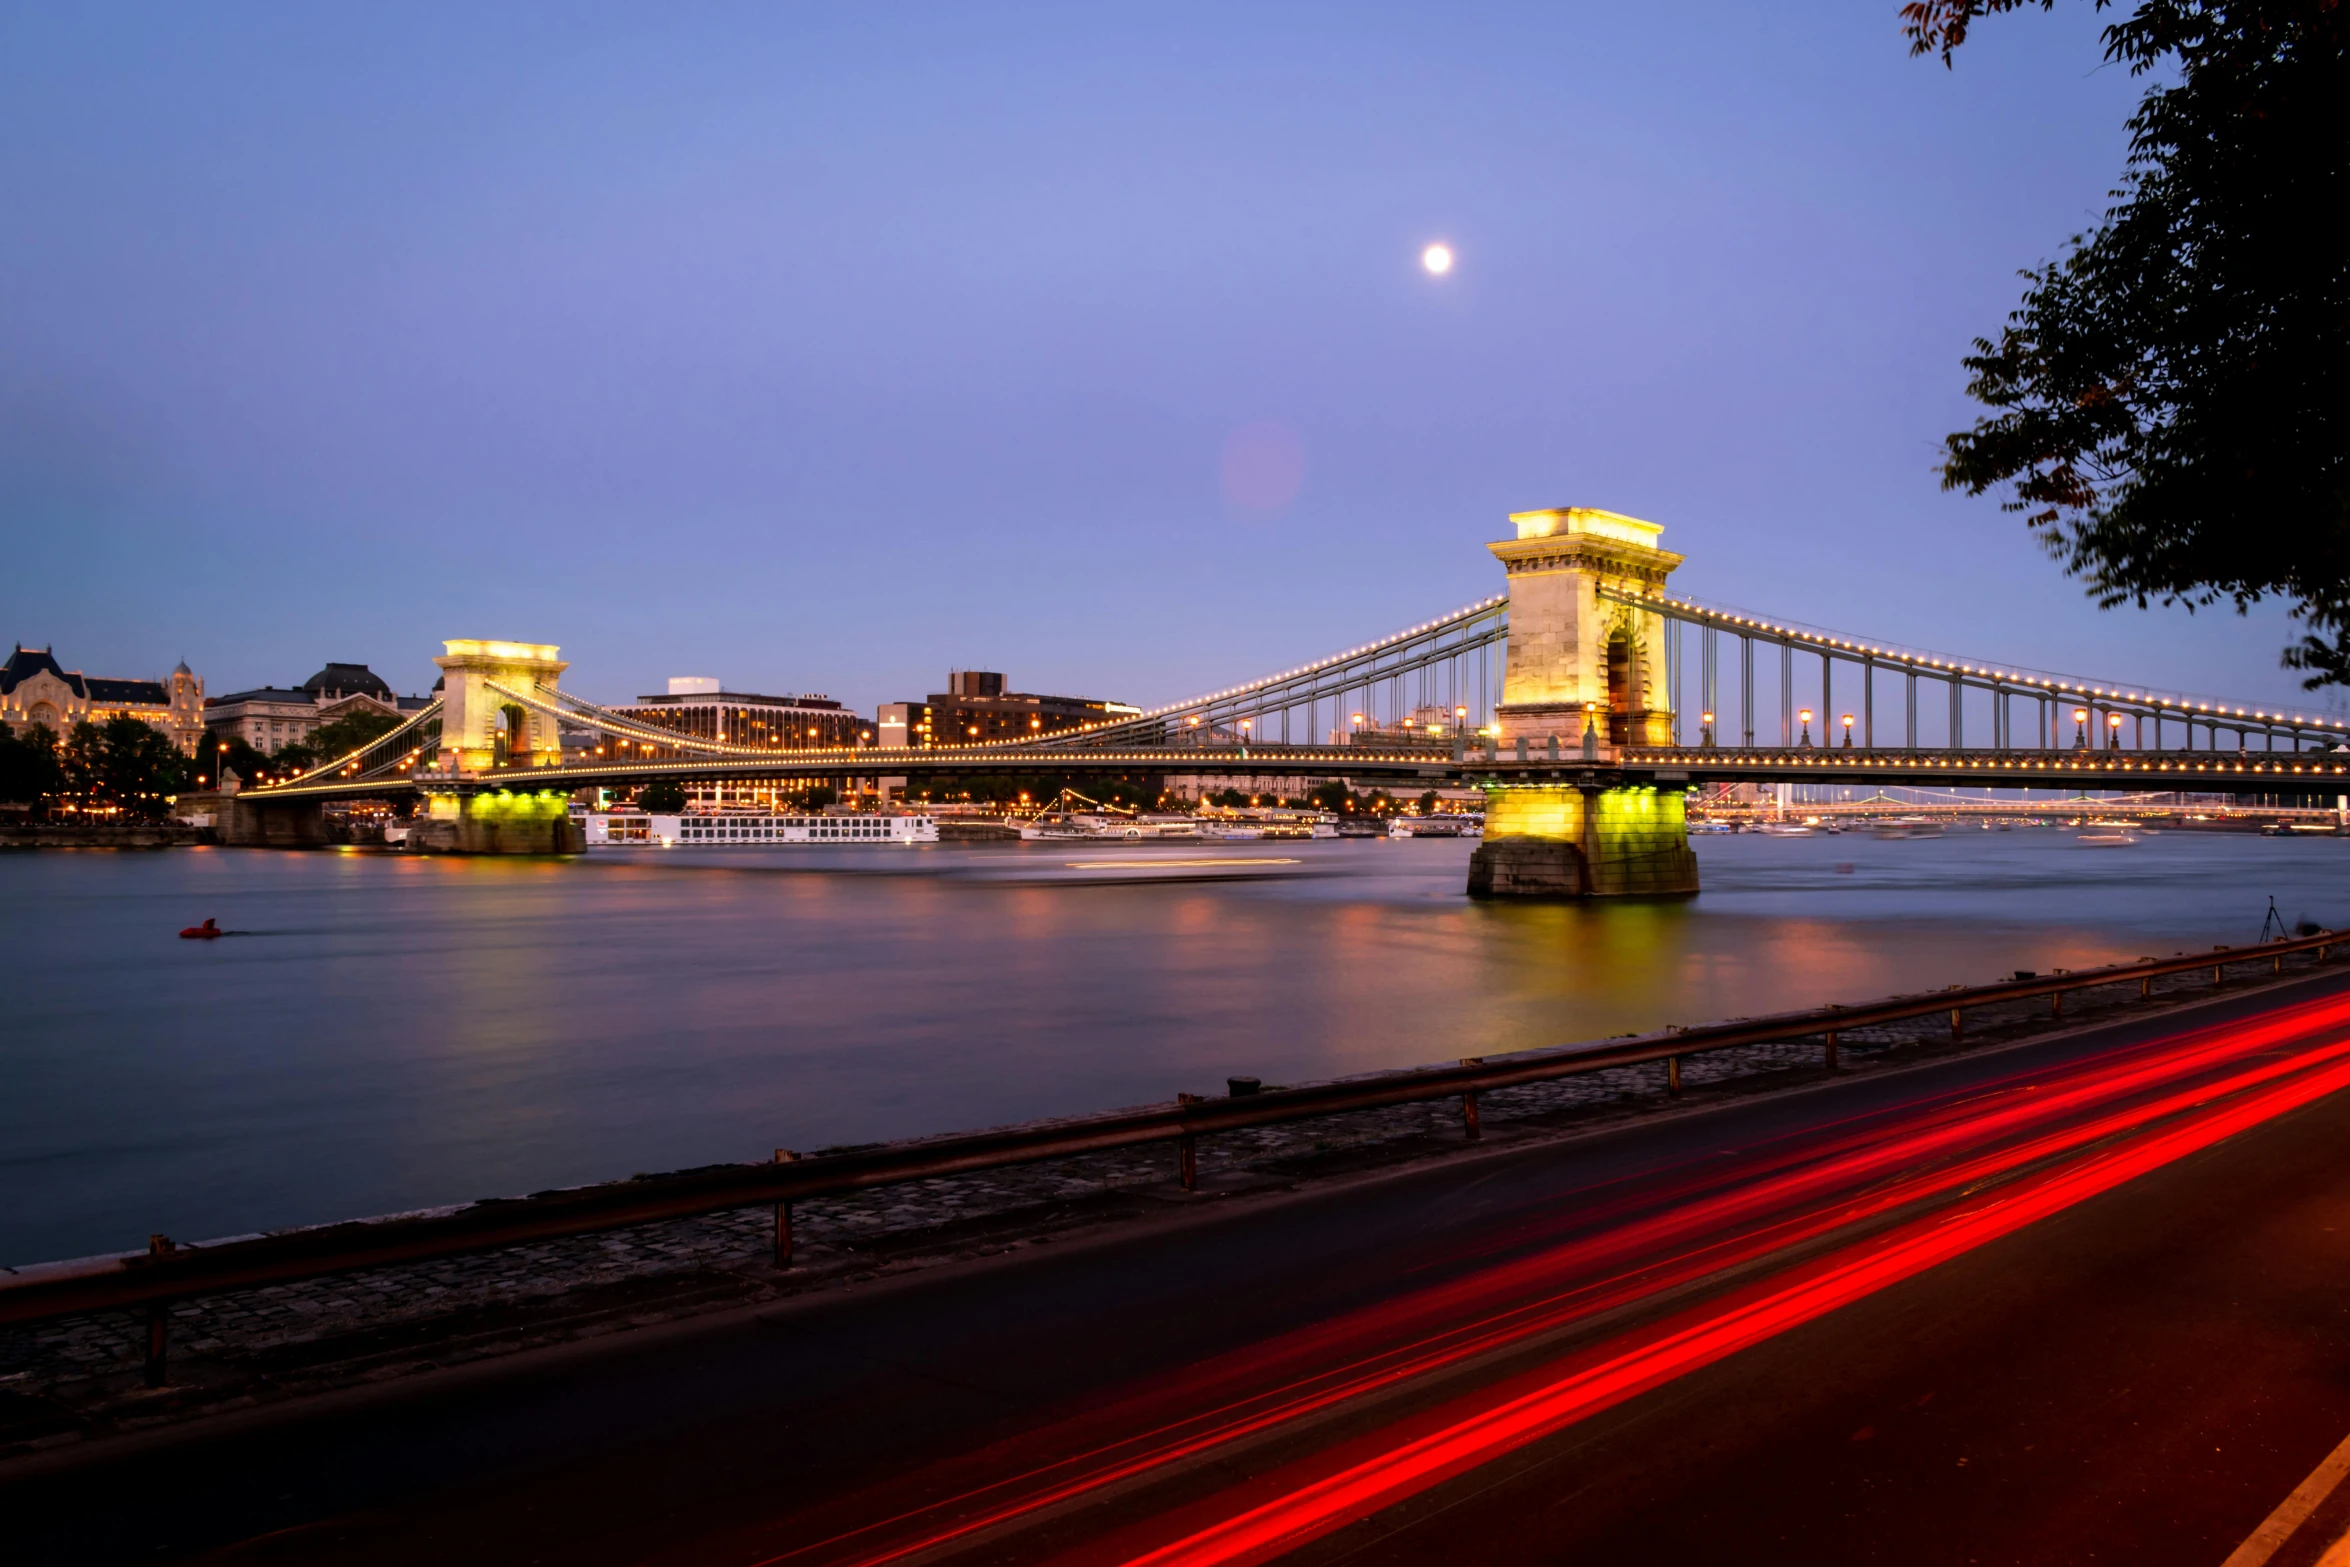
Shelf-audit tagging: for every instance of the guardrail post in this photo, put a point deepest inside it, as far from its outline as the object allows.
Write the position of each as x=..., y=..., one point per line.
x=158, y=1318
x=1833, y=1056
x=1469, y=1126
x=1187, y=1151
x=783, y=1236
x=1956, y=1032
x=2056, y=1005
x=1673, y=1076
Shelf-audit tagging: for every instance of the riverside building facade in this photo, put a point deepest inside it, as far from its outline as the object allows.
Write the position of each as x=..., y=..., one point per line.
x=975, y=707
x=36, y=689
x=700, y=707
x=270, y=718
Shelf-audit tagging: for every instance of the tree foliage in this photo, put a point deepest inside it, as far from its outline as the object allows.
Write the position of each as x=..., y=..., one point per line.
x=665, y=796
x=242, y=758
x=29, y=769
x=2169, y=400
x=349, y=732
x=124, y=763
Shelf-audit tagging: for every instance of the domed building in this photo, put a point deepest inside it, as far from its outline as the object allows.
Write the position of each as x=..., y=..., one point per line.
x=270, y=718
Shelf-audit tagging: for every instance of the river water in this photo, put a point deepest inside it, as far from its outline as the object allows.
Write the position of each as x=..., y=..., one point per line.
x=385, y=1033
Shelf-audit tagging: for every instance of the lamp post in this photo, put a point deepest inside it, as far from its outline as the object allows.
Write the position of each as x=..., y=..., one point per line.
x=2080, y=729
x=2113, y=731
x=1705, y=730
x=1805, y=740
x=1847, y=731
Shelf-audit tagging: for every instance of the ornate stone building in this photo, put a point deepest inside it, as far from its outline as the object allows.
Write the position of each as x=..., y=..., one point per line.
x=36, y=689
x=270, y=718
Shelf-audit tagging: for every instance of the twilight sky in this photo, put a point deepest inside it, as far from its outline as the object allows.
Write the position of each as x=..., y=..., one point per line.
x=822, y=347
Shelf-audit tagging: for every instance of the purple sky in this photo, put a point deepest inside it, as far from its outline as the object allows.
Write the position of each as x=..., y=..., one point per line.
x=825, y=347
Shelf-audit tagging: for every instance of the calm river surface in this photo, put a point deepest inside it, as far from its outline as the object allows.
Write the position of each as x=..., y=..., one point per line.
x=388, y=1033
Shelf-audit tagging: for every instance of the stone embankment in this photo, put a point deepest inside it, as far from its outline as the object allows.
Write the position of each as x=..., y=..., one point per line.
x=65, y=1380
x=25, y=833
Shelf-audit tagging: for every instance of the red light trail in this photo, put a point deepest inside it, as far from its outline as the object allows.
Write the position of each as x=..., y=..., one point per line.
x=1698, y=1338
x=1653, y=1234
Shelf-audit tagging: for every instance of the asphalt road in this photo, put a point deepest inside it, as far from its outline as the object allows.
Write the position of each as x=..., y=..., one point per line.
x=2142, y=1371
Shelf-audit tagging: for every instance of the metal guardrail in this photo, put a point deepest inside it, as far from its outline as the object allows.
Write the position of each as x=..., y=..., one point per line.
x=167, y=1272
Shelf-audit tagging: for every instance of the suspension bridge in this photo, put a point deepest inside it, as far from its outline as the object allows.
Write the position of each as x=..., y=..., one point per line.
x=1563, y=698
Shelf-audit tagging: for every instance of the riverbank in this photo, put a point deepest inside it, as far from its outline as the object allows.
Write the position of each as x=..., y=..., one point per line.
x=76, y=1379
x=30, y=834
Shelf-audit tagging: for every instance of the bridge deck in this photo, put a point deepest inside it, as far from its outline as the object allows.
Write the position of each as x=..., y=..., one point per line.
x=2263, y=772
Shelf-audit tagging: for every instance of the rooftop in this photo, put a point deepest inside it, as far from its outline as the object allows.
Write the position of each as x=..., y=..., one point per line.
x=747, y=698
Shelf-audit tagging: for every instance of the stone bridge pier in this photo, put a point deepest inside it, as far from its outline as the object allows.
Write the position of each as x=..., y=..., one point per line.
x=269, y=824
x=1588, y=671
x=497, y=821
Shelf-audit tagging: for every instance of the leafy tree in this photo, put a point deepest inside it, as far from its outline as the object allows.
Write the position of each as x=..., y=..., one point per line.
x=349, y=732
x=291, y=758
x=819, y=796
x=1428, y=803
x=124, y=763
x=241, y=758
x=2171, y=401
x=665, y=796
x=29, y=769
x=1333, y=796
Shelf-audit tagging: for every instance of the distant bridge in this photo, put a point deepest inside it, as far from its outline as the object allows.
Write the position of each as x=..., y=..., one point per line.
x=1586, y=698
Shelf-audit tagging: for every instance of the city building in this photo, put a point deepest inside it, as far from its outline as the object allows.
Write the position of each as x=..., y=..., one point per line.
x=696, y=706
x=270, y=718
x=701, y=707
x=975, y=707
x=36, y=689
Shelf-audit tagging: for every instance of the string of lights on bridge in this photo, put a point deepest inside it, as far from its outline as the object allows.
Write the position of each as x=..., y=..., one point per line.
x=564, y=707
x=1827, y=641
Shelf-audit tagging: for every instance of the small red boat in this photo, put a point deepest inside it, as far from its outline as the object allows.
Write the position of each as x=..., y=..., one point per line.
x=203, y=932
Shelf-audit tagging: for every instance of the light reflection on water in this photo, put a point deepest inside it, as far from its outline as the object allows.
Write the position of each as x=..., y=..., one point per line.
x=396, y=1033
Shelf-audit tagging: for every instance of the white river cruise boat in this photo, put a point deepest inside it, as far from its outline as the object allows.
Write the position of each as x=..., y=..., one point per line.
x=720, y=829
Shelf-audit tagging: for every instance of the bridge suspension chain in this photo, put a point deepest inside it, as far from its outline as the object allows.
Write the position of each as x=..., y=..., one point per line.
x=580, y=713
x=387, y=753
x=2098, y=710
x=1391, y=662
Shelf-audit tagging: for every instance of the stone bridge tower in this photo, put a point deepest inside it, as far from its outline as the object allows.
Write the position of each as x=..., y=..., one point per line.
x=1575, y=828
x=1576, y=658
x=482, y=729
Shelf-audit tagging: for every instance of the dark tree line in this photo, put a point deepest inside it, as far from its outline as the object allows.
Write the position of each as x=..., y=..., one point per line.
x=122, y=764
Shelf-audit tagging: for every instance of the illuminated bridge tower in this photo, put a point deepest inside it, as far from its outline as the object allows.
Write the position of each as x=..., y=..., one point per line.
x=1584, y=676
x=485, y=731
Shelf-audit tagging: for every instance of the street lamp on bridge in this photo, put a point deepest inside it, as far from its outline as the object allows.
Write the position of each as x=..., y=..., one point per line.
x=1805, y=715
x=2080, y=729
x=1847, y=731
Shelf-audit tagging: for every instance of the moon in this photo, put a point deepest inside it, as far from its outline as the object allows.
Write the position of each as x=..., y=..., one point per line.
x=1437, y=258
